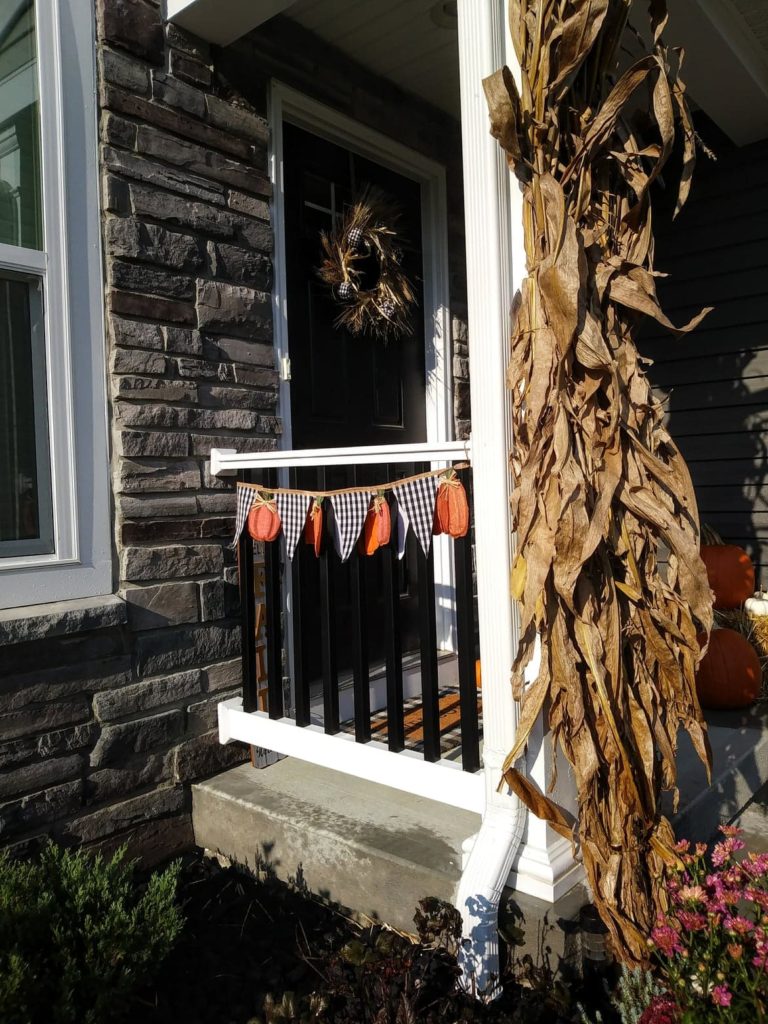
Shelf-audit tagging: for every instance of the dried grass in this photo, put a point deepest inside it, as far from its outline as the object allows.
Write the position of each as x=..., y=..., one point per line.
x=383, y=307
x=600, y=485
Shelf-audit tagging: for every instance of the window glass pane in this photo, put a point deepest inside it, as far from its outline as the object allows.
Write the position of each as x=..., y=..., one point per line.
x=26, y=513
x=21, y=210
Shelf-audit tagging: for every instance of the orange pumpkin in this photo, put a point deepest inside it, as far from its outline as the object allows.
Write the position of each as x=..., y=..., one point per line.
x=452, y=507
x=377, y=528
x=730, y=573
x=313, y=528
x=264, y=520
x=729, y=675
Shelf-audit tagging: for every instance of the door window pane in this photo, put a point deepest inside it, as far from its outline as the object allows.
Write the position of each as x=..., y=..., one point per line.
x=26, y=512
x=21, y=213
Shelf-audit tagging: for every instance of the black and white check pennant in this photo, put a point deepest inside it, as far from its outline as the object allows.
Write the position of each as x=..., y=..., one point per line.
x=417, y=499
x=349, y=512
x=245, y=496
x=293, y=515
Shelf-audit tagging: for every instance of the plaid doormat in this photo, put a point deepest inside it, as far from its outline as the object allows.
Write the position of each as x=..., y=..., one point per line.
x=413, y=718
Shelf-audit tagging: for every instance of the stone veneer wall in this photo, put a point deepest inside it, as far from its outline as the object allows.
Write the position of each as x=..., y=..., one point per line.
x=108, y=706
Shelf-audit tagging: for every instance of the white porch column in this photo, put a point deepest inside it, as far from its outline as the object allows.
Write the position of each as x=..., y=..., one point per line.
x=495, y=267
x=489, y=287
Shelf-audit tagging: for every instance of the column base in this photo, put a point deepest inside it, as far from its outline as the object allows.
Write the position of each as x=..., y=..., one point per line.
x=546, y=873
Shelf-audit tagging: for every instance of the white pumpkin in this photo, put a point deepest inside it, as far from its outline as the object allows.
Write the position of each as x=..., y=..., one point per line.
x=757, y=606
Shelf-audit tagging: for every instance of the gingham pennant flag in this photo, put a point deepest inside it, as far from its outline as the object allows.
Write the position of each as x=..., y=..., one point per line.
x=348, y=516
x=293, y=510
x=245, y=496
x=417, y=497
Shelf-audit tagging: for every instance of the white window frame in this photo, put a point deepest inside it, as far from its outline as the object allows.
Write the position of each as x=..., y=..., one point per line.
x=70, y=269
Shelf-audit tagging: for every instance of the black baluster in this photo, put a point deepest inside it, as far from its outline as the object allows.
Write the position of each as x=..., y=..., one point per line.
x=394, y=653
x=274, y=613
x=360, y=673
x=328, y=626
x=300, y=681
x=430, y=697
x=247, y=583
x=465, y=631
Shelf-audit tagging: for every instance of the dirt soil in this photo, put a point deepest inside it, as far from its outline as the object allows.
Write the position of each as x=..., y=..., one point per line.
x=246, y=939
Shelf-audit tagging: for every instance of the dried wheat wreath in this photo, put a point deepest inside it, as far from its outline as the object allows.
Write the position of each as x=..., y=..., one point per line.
x=363, y=266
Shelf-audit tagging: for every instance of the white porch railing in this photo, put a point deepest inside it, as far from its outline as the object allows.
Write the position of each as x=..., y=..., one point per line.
x=356, y=750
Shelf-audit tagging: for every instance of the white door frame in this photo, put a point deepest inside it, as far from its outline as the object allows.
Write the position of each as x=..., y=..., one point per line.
x=288, y=104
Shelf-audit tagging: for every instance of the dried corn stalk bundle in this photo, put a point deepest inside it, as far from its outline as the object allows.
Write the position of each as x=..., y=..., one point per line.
x=600, y=485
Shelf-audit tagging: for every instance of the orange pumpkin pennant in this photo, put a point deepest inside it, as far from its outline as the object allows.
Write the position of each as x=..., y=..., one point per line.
x=313, y=528
x=452, y=507
x=377, y=528
x=264, y=519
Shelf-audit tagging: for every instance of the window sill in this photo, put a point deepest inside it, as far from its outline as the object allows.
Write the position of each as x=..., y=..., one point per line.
x=41, y=621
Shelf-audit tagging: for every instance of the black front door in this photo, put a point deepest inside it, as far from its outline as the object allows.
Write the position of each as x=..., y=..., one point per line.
x=348, y=390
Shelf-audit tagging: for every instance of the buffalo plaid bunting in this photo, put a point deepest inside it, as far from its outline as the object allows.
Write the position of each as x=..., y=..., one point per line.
x=293, y=510
x=417, y=498
x=245, y=496
x=349, y=512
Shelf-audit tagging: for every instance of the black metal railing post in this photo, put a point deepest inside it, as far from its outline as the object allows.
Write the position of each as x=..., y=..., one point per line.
x=247, y=586
x=430, y=687
x=274, y=604
x=328, y=646
x=394, y=650
x=465, y=635
x=301, y=694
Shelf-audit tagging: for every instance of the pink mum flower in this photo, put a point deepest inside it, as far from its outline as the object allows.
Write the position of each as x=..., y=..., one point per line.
x=730, y=830
x=721, y=995
x=660, y=1010
x=740, y=925
x=692, y=893
x=666, y=939
x=692, y=921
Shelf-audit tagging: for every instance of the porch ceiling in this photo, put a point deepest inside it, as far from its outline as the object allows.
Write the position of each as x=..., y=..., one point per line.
x=726, y=60
x=413, y=43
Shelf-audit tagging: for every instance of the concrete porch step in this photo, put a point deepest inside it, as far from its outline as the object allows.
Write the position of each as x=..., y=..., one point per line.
x=365, y=846
x=739, y=741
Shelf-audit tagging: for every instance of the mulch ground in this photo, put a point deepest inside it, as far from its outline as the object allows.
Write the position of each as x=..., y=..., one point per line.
x=243, y=939
x=248, y=938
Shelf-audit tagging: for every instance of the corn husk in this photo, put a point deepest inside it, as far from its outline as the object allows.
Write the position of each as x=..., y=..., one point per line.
x=601, y=490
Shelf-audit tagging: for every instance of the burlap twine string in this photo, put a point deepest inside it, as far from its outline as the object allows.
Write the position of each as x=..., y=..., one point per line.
x=371, y=488
x=261, y=501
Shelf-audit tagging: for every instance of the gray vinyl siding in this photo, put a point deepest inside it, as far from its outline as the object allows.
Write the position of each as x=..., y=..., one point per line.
x=715, y=380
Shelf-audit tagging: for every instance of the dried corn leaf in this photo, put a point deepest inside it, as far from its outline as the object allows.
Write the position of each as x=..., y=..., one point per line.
x=600, y=488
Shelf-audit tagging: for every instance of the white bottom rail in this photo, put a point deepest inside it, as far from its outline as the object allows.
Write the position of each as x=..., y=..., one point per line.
x=407, y=770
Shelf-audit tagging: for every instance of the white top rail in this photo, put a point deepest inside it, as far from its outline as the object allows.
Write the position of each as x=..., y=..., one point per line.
x=227, y=462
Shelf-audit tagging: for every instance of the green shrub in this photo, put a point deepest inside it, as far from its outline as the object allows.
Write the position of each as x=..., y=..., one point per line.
x=78, y=935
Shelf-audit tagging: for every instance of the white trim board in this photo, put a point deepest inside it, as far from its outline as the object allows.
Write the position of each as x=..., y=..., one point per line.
x=70, y=267
x=407, y=770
